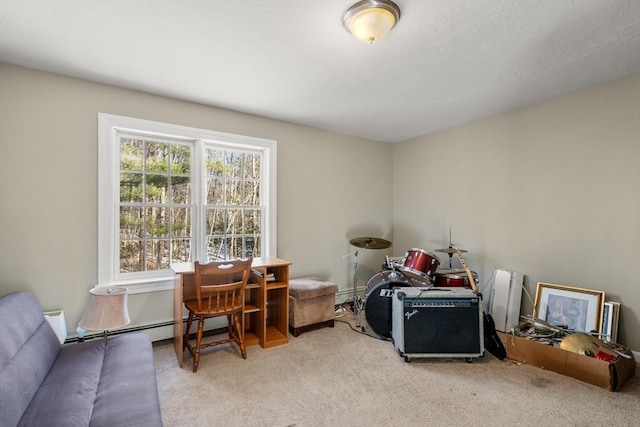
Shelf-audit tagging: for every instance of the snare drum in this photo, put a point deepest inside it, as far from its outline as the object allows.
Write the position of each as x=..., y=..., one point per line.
x=446, y=279
x=377, y=302
x=420, y=264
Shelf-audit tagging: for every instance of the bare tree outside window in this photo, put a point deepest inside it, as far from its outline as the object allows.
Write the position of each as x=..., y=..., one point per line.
x=170, y=194
x=155, y=204
x=156, y=207
x=233, y=211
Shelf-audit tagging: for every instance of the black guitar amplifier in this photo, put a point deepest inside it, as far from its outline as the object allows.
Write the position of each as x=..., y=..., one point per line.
x=437, y=322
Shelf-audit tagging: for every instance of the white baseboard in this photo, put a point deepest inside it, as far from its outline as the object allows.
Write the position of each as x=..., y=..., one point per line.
x=345, y=295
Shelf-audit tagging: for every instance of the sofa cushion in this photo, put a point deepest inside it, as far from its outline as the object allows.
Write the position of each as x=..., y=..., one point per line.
x=28, y=349
x=68, y=392
x=108, y=382
x=128, y=390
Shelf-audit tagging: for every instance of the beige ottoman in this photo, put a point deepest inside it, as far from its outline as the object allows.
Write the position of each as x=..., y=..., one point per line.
x=311, y=304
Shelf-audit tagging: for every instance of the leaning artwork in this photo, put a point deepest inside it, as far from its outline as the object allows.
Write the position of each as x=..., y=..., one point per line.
x=569, y=307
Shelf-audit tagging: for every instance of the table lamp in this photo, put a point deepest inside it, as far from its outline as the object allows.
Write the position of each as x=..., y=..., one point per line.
x=107, y=310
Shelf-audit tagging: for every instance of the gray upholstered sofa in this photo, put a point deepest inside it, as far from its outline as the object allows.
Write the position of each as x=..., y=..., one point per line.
x=99, y=383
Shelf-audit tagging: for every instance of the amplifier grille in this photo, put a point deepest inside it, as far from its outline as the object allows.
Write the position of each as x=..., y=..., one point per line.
x=438, y=324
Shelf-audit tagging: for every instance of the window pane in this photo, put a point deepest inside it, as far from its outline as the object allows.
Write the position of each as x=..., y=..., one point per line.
x=157, y=254
x=237, y=250
x=251, y=193
x=234, y=192
x=218, y=248
x=252, y=246
x=131, y=220
x=251, y=166
x=131, y=256
x=181, y=250
x=216, y=220
x=233, y=167
x=180, y=189
x=234, y=222
x=252, y=221
x=157, y=223
x=131, y=154
x=180, y=160
x=214, y=162
x=156, y=157
x=180, y=222
x=156, y=188
x=131, y=187
x=215, y=194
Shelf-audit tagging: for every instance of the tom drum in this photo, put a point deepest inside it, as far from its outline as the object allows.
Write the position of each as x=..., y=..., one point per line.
x=458, y=279
x=420, y=264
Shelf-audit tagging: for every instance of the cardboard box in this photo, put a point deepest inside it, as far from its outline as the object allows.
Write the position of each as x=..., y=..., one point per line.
x=588, y=369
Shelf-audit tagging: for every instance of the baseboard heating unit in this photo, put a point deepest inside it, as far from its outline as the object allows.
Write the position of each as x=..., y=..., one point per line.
x=437, y=322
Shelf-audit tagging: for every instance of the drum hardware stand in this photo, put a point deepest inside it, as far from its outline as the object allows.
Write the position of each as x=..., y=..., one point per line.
x=356, y=303
x=364, y=243
x=450, y=248
x=395, y=274
x=356, y=298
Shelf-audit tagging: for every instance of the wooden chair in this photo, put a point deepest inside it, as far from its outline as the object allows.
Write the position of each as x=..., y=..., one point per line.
x=220, y=287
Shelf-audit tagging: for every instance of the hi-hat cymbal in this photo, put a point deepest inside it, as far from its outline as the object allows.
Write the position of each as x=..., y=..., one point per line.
x=451, y=250
x=370, y=243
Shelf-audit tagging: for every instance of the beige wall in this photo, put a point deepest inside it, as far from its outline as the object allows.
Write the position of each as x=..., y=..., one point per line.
x=330, y=188
x=552, y=191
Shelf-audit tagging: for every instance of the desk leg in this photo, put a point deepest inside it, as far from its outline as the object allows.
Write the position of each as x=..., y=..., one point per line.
x=178, y=329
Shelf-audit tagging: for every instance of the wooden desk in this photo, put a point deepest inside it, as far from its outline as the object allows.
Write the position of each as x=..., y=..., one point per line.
x=266, y=307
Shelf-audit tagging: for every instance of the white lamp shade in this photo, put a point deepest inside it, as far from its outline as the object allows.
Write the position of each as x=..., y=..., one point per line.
x=107, y=309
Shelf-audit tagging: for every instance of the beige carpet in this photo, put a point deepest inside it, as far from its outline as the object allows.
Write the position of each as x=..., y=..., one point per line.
x=335, y=376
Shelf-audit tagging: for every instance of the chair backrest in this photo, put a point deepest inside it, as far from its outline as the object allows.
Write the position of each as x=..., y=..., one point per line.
x=220, y=285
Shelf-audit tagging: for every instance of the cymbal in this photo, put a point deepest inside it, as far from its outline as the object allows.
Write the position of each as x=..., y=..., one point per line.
x=370, y=243
x=451, y=250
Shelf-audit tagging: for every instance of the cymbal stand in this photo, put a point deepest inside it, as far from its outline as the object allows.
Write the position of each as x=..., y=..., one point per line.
x=356, y=299
x=450, y=247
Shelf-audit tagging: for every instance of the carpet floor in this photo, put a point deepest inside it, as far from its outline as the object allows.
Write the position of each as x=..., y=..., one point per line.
x=339, y=376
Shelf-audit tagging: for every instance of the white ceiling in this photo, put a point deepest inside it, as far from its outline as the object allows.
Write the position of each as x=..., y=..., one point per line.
x=446, y=62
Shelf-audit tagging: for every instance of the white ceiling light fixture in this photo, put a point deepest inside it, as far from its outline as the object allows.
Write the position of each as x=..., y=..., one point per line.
x=371, y=20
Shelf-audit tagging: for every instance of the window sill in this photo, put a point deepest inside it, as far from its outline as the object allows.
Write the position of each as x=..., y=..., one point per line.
x=142, y=286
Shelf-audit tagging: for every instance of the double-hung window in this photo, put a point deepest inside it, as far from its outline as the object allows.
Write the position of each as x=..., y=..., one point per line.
x=171, y=194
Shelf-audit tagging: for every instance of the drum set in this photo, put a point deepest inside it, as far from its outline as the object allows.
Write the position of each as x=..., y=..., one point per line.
x=417, y=268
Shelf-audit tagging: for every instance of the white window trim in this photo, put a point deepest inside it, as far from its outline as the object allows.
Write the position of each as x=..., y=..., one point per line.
x=108, y=194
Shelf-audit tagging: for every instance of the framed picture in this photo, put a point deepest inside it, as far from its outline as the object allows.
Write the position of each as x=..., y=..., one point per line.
x=577, y=309
x=610, y=317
